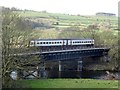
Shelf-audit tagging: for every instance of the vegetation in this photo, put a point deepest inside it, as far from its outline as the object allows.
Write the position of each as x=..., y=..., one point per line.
x=100, y=28
x=70, y=83
x=53, y=25
x=21, y=26
x=15, y=33
x=69, y=20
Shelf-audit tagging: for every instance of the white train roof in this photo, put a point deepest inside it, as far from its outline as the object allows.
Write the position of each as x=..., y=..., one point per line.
x=61, y=39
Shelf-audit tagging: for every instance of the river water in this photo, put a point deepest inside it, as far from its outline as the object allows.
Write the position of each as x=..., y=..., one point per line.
x=82, y=74
x=72, y=74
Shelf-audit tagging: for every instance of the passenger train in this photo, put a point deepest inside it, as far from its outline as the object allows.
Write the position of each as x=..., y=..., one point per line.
x=61, y=42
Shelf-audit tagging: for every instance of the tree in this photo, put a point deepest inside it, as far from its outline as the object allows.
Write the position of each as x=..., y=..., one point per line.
x=15, y=37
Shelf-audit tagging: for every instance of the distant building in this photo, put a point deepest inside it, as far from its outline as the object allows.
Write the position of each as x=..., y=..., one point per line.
x=105, y=14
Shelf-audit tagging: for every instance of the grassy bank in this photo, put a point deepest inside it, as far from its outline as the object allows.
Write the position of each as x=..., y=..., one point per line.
x=70, y=83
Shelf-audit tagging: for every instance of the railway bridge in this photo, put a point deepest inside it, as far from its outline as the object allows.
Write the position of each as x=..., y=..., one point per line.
x=73, y=54
x=66, y=55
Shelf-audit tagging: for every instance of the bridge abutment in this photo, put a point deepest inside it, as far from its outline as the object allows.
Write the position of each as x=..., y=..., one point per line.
x=79, y=66
x=60, y=69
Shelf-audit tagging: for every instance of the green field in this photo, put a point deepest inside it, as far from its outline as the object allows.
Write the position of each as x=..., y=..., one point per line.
x=66, y=20
x=70, y=83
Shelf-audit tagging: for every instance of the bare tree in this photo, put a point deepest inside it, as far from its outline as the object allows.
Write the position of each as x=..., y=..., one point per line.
x=0, y=47
x=15, y=37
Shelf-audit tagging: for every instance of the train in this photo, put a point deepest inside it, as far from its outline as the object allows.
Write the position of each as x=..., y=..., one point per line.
x=61, y=42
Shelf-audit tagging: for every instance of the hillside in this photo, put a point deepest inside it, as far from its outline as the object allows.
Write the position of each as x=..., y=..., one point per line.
x=65, y=20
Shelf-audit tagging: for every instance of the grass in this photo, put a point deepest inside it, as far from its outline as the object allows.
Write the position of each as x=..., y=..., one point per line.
x=70, y=83
x=68, y=19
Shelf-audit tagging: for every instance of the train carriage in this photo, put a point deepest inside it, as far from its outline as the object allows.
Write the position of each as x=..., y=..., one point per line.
x=48, y=42
x=81, y=42
x=61, y=43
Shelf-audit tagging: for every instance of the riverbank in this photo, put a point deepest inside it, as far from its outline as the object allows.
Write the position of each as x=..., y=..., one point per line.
x=69, y=83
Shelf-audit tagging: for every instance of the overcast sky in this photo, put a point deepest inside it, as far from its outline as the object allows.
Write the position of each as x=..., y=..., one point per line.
x=83, y=7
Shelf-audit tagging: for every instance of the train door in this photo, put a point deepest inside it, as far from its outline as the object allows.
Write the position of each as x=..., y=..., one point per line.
x=63, y=44
x=69, y=43
x=66, y=42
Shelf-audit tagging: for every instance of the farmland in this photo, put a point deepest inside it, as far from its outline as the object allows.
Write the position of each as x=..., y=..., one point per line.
x=66, y=20
x=55, y=24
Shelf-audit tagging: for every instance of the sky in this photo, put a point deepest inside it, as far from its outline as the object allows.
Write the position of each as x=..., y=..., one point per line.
x=82, y=7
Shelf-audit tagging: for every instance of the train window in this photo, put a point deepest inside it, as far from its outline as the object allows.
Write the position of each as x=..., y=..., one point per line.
x=43, y=42
x=60, y=42
x=55, y=42
x=46, y=42
x=49, y=42
x=52, y=42
x=38, y=43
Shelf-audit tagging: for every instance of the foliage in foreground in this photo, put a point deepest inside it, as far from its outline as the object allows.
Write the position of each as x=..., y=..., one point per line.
x=15, y=33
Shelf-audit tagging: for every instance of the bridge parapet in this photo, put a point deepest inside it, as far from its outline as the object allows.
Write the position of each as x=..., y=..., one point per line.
x=73, y=54
x=73, y=47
